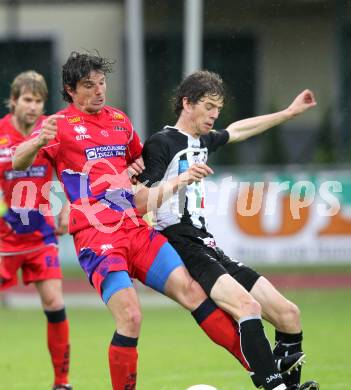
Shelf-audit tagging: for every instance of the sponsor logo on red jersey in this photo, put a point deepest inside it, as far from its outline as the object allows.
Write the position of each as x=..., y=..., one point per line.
x=4, y=140
x=120, y=128
x=81, y=130
x=75, y=119
x=5, y=155
x=106, y=151
x=105, y=247
x=116, y=116
x=33, y=171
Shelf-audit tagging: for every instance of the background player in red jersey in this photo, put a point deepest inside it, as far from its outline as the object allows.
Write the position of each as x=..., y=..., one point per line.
x=27, y=237
x=91, y=146
x=197, y=104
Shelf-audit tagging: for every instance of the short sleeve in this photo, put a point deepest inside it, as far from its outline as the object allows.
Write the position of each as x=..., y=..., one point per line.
x=215, y=138
x=156, y=157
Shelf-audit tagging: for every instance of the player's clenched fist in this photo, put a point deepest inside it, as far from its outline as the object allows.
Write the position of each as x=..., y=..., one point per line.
x=48, y=129
x=195, y=173
x=304, y=101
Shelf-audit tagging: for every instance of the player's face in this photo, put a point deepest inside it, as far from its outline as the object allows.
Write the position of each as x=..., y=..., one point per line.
x=27, y=108
x=90, y=93
x=204, y=113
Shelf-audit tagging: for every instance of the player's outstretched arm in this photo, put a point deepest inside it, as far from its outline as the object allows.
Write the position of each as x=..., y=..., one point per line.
x=149, y=199
x=25, y=154
x=27, y=151
x=246, y=128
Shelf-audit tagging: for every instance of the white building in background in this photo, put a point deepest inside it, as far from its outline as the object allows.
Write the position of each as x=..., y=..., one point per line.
x=296, y=43
x=266, y=52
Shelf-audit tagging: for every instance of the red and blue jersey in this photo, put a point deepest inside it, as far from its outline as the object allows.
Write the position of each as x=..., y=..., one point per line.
x=26, y=193
x=91, y=153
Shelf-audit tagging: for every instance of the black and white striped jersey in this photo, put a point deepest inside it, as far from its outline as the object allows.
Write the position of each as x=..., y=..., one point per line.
x=167, y=154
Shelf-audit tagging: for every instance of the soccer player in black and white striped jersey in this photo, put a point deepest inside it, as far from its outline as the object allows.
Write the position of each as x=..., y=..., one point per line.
x=239, y=290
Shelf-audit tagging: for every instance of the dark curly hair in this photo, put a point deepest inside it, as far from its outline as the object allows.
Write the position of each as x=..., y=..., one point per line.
x=78, y=66
x=196, y=86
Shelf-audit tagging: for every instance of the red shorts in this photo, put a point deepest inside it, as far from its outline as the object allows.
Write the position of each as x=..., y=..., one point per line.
x=41, y=264
x=132, y=248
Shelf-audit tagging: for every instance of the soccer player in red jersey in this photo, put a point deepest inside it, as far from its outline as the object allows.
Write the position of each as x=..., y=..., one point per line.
x=27, y=237
x=91, y=145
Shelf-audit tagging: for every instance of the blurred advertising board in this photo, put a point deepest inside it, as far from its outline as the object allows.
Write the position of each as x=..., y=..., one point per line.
x=295, y=216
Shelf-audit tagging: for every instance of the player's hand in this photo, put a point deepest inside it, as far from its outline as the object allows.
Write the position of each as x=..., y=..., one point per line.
x=61, y=229
x=195, y=173
x=135, y=169
x=63, y=219
x=48, y=129
x=304, y=101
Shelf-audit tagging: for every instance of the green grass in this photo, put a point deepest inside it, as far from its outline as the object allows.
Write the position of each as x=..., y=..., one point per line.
x=173, y=352
x=73, y=271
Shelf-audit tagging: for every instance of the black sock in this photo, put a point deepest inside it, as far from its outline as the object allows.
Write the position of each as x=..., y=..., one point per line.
x=287, y=344
x=257, y=352
x=55, y=316
x=124, y=341
x=204, y=310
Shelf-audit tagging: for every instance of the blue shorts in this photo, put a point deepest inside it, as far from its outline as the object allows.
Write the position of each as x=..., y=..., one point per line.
x=165, y=262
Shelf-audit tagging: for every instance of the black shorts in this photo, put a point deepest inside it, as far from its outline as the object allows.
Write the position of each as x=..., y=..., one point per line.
x=204, y=260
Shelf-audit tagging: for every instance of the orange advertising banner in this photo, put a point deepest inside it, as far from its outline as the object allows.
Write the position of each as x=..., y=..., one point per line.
x=299, y=216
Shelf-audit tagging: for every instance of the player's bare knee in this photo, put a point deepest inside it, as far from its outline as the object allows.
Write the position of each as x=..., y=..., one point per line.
x=130, y=319
x=289, y=319
x=233, y=298
x=53, y=303
x=250, y=307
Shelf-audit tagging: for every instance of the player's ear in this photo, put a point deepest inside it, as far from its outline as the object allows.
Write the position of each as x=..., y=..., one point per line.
x=11, y=103
x=69, y=90
x=186, y=104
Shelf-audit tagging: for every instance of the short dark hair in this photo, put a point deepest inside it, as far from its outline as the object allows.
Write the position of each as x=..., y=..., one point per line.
x=29, y=81
x=197, y=85
x=78, y=66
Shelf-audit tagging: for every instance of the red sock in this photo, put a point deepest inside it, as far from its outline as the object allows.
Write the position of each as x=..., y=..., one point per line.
x=123, y=367
x=58, y=344
x=220, y=328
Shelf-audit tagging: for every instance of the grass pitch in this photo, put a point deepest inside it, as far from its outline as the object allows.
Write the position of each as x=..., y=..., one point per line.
x=173, y=351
